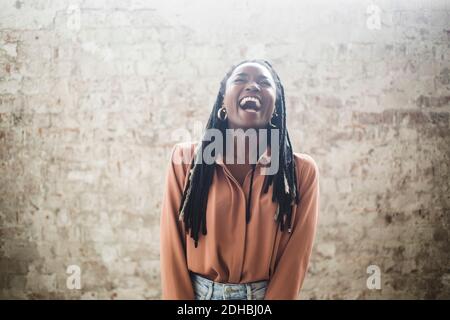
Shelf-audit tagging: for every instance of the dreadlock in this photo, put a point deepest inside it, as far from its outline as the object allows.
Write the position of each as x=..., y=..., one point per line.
x=195, y=195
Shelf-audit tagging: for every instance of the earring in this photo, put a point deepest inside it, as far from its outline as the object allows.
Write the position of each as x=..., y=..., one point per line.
x=270, y=121
x=222, y=114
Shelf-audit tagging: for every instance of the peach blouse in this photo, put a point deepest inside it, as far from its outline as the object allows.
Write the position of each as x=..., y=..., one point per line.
x=233, y=251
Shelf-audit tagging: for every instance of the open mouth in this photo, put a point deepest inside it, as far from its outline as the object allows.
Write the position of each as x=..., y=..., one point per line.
x=250, y=103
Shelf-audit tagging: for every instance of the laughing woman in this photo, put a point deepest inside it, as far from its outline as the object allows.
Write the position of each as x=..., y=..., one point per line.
x=231, y=231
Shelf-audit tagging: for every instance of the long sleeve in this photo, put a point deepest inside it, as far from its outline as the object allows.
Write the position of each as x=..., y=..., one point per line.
x=287, y=279
x=175, y=279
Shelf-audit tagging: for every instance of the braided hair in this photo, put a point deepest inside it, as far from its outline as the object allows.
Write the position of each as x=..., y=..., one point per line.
x=195, y=195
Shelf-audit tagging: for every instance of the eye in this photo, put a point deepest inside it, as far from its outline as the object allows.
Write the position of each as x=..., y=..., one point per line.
x=266, y=82
x=236, y=80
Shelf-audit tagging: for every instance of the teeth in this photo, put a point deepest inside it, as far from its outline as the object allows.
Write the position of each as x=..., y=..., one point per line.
x=243, y=101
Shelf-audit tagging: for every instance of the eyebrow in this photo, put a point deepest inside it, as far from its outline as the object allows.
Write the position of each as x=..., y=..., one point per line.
x=245, y=74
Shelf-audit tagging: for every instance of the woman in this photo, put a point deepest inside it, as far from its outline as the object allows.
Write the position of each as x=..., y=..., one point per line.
x=257, y=229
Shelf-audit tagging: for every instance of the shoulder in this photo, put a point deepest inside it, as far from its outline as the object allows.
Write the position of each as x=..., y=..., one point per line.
x=180, y=161
x=183, y=152
x=306, y=161
x=184, y=147
x=306, y=168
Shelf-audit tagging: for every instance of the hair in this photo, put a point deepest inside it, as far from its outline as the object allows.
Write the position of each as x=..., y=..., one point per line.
x=195, y=195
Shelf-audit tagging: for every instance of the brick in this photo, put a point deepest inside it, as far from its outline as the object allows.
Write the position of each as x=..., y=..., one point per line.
x=87, y=119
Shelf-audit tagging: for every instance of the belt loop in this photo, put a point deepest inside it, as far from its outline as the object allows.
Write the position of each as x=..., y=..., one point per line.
x=210, y=291
x=249, y=292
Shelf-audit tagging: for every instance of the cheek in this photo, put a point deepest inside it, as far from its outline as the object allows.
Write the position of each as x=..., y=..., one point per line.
x=229, y=98
x=270, y=95
x=270, y=106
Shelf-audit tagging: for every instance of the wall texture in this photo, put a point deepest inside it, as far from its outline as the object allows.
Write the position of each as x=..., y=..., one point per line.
x=91, y=91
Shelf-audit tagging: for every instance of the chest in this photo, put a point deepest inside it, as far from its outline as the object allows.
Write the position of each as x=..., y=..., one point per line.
x=239, y=171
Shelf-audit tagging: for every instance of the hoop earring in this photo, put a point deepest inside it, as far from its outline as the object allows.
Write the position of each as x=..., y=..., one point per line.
x=222, y=111
x=270, y=121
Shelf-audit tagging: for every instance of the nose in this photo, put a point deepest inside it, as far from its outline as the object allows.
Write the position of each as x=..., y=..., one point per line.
x=252, y=87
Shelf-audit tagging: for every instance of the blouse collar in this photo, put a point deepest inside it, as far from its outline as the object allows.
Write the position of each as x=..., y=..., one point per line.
x=264, y=160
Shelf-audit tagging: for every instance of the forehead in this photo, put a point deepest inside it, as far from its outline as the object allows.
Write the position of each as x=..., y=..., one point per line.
x=255, y=69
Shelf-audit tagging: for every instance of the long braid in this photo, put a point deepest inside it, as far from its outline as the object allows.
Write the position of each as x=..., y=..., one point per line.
x=195, y=195
x=288, y=168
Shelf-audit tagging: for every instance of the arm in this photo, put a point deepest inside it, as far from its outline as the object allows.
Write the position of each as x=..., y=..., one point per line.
x=175, y=278
x=287, y=278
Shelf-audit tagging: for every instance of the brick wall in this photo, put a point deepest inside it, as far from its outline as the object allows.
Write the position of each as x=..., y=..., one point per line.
x=91, y=92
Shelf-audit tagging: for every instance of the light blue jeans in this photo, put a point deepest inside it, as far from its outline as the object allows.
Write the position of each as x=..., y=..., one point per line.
x=206, y=289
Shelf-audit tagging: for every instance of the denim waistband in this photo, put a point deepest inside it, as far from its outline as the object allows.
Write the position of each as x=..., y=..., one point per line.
x=207, y=289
